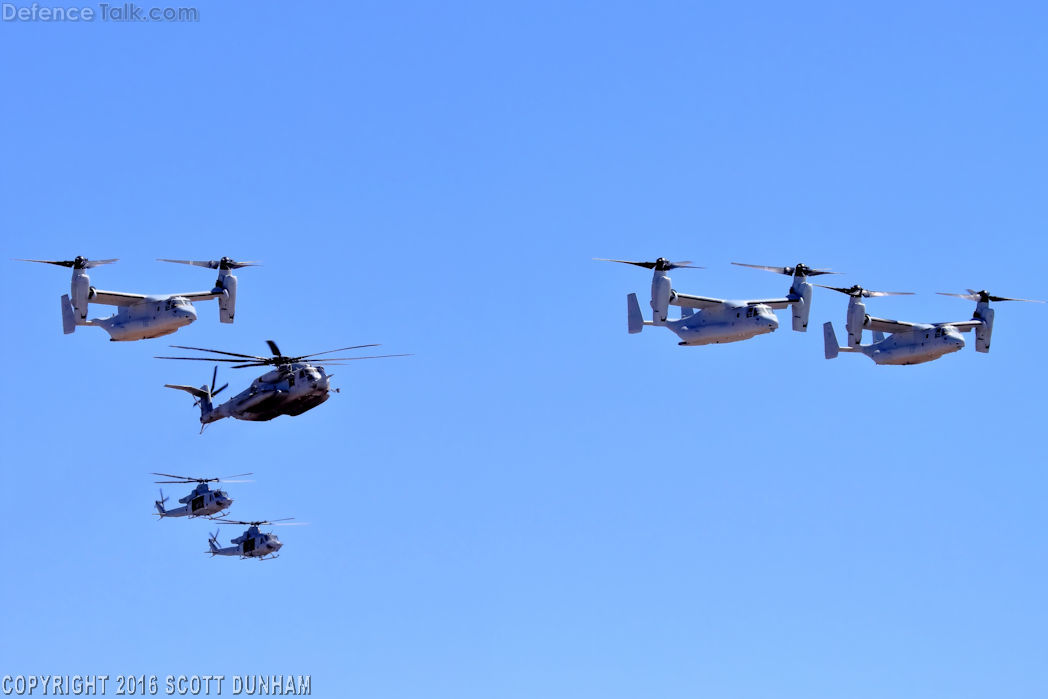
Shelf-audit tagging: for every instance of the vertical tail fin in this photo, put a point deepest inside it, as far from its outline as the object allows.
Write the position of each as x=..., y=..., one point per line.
x=633, y=314
x=830, y=340
x=160, y=503
x=68, y=319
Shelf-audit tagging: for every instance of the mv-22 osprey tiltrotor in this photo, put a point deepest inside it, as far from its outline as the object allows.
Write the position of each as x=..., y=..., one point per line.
x=140, y=316
x=705, y=320
x=202, y=501
x=910, y=343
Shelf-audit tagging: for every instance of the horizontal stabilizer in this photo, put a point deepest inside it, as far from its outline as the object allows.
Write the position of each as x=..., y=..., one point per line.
x=198, y=392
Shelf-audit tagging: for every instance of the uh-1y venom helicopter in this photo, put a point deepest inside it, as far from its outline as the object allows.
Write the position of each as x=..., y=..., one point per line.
x=252, y=543
x=138, y=316
x=202, y=501
x=705, y=320
x=295, y=385
x=910, y=343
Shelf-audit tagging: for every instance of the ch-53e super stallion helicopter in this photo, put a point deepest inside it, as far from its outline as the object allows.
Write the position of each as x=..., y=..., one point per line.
x=705, y=320
x=202, y=501
x=295, y=385
x=252, y=543
x=910, y=343
x=140, y=316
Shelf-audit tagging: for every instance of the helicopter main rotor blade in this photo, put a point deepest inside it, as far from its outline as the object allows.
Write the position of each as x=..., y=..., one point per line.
x=353, y=359
x=231, y=354
x=258, y=523
x=273, y=348
x=340, y=349
x=191, y=479
x=200, y=359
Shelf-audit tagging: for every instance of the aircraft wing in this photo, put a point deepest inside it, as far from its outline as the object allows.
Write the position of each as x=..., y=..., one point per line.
x=891, y=326
x=700, y=302
x=965, y=325
x=773, y=303
x=122, y=298
x=200, y=295
x=115, y=298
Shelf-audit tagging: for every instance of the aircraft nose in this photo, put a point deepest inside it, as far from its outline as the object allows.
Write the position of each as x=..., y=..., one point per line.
x=773, y=323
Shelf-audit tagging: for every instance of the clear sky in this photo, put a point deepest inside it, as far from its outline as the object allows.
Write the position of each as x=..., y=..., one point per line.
x=536, y=504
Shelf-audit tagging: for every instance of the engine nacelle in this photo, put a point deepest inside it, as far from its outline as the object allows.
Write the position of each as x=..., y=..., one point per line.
x=227, y=304
x=802, y=307
x=856, y=321
x=984, y=331
x=661, y=290
x=79, y=293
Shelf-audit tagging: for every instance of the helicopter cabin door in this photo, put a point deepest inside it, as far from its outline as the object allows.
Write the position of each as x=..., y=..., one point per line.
x=196, y=503
x=249, y=545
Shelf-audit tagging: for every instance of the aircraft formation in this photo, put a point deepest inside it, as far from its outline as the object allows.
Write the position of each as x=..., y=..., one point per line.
x=291, y=385
x=705, y=320
x=213, y=504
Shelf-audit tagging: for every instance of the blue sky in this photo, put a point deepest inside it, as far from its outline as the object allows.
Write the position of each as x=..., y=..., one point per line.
x=536, y=503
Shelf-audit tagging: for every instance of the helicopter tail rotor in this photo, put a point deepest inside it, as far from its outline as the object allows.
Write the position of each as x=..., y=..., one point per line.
x=160, y=504
x=203, y=399
x=212, y=542
x=213, y=392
